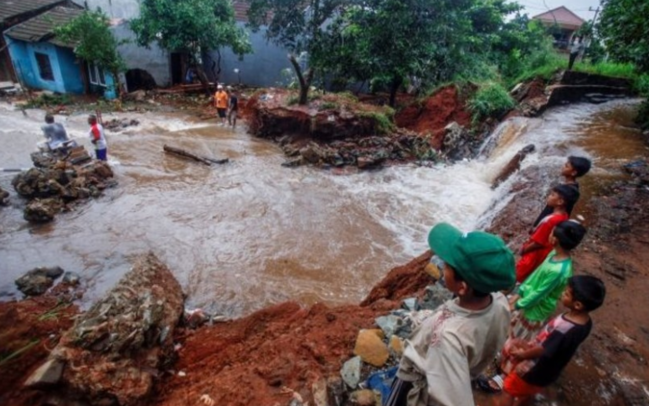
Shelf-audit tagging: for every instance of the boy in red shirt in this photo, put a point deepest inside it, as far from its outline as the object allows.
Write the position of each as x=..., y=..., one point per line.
x=538, y=246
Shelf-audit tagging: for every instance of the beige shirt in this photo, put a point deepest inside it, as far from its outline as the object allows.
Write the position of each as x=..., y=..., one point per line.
x=450, y=348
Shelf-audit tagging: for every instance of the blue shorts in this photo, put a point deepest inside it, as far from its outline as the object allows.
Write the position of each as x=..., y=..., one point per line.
x=101, y=154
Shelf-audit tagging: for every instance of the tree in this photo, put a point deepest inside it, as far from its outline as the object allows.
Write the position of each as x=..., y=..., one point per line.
x=625, y=29
x=94, y=43
x=387, y=41
x=299, y=26
x=191, y=27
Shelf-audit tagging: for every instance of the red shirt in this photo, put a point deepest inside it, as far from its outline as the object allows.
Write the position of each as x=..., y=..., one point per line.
x=531, y=260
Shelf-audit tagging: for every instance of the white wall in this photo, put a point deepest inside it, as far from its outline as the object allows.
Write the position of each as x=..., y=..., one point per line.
x=126, y=9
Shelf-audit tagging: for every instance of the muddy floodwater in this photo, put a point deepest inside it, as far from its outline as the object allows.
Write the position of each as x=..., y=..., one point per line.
x=251, y=233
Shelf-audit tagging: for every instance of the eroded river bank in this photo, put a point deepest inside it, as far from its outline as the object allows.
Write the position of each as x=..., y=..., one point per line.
x=358, y=226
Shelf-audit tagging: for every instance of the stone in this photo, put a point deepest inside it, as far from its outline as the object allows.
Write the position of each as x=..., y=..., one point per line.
x=364, y=397
x=47, y=374
x=388, y=324
x=513, y=165
x=71, y=278
x=311, y=153
x=121, y=342
x=434, y=296
x=351, y=372
x=42, y=210
x=371, y=348
x=4, y=197
x=410, y=303
x=319, y=391
x=38, y=280
x=396, y=346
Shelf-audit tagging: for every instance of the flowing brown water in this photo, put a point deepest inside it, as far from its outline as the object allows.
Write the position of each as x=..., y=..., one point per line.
x=251, y=233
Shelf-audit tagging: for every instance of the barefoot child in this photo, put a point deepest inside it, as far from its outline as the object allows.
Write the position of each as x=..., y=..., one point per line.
x=464, y=334
x=538, y=246
x=541, y=361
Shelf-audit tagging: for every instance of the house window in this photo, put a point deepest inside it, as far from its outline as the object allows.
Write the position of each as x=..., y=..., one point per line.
x=96, y=75
x=44, y=66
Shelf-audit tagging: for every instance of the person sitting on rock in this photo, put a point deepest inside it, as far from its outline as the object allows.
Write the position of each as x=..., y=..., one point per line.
x=463, y=336
x=98, y=138
x=55, y=134
x=539, y=246
x=537, y=298
x=541, y=360
x=575, y=167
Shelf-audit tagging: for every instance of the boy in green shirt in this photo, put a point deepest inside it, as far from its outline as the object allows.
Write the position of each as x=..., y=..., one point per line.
x=538, y=296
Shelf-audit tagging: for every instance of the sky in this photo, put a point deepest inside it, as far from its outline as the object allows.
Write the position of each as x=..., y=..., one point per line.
x=579, y=7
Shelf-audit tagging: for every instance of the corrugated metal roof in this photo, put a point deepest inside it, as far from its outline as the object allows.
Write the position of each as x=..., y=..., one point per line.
x=41, y=27
x=241, y=10
x=14, y=8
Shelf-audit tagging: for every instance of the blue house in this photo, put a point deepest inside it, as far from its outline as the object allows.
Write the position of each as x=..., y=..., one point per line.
x=41, y=61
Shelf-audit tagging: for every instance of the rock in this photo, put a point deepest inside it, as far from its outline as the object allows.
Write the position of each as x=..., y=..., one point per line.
x=42, y=210
x=47, y=374
x=367, y=162
x=319, y=390
x=513, y=165
x=71, y=278
x=410, y=303
x=4, y=197
x=311, y=153
x=364, y=397
x=336, y=391
x=118, y=345
x=388, y=324
x=434, y=296
x=396, y=346
x=351, y=372
x=38, y=280
x=138, y=95
x=371, y=348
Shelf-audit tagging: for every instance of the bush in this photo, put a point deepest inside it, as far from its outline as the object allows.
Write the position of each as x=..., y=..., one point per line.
x=618, y=70
x=491, y=100
x=643, y=116
x=47, y=100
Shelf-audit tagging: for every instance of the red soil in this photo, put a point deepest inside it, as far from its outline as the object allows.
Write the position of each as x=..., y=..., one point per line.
x=29, y=329
x=434, y=114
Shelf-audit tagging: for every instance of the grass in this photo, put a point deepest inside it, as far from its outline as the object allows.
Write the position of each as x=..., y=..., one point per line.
x=490, y=100
x=46, y=100
x=383, y=121
x=617, y=70
x=19, y=351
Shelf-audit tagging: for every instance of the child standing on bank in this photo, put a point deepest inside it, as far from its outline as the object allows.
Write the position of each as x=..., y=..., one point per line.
x=538, y=296
x=538, y=246
x=575, y=167
x=98, y=138
x=541, y=361
x=460, y=339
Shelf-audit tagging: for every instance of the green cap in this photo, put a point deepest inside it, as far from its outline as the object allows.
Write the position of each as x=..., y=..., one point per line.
x=481, y=259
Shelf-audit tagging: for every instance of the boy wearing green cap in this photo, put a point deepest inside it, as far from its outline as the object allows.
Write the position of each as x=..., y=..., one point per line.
x=464, y=335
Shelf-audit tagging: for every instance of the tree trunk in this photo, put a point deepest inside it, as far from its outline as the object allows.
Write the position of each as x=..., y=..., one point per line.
x=202, y=77
x=187, y=154
x=394, y=88
x=305, y=82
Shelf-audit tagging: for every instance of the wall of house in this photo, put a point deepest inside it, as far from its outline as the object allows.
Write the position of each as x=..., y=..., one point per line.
x=65, y=70
x=262, y=68
x=70, y=71
x=154, y=60
x=114, y=8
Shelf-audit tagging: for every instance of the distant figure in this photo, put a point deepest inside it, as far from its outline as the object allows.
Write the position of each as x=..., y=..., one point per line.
x=98, y=138
x=539, y=244
x=234, y=108
x=575, y=167
x=575, y=49
x=541, y=360
x=55, y=134
x=221, y=102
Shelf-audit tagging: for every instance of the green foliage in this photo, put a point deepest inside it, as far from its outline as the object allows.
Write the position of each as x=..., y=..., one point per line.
x=643, y=116
x=94, y=42
x=618, y=70
x=624, y=26
x=641, y=85
x=491, y=100
x=328, y=105
x=191, y=26
x=46, y=100
x=542, y=64
x=383, y=120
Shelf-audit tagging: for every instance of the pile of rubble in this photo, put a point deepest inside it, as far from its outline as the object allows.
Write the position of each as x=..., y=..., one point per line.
x=53, y=185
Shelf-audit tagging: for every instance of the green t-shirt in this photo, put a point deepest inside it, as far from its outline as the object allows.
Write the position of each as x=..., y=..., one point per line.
x=542, y=289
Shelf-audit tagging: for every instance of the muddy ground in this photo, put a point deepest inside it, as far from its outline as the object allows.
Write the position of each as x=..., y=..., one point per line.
x=269, y=356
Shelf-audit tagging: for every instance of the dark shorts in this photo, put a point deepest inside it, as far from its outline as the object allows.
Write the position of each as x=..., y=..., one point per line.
x=221, y=112
x=101, y=154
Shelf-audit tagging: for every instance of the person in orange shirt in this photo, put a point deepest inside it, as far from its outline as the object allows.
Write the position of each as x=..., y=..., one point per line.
x=221, y=100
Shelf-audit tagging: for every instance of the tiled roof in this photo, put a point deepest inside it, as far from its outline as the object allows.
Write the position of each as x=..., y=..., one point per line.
x=14, y=8
x=41, y=27
x=562, y=17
